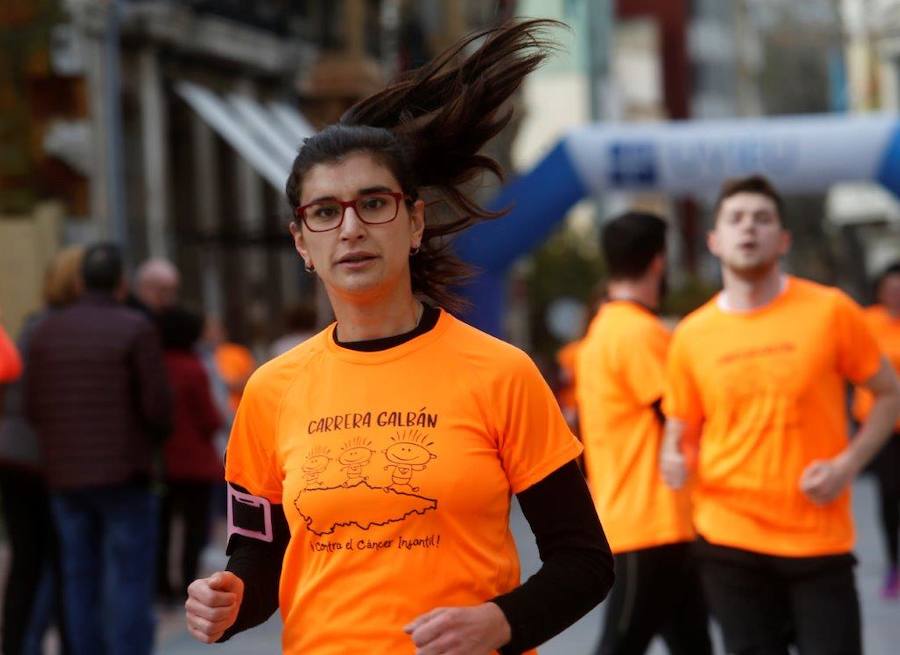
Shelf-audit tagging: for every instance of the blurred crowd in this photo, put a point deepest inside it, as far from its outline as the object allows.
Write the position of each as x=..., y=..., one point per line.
x=116, y=402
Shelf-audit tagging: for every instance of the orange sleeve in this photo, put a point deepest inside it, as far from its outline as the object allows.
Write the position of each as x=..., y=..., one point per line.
x=10, y=362
x=251, y=459
x=643, y=367
x=858, y=353
x=532, y=435
x=681, y=399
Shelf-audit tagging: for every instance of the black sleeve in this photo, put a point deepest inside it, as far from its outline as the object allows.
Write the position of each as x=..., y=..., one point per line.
x=577, y=570
x=258, y=564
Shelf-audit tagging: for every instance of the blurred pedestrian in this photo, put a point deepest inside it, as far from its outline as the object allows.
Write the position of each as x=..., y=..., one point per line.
x=884, y=320
x=32, y=601
x=300, y=324
x=97, y=396
x=758, y=373
x=621, y=376
x=210, y=339
x=566, y=358
x=156, y=285
x=372, y=467
x=192, y=465
x=234, y=363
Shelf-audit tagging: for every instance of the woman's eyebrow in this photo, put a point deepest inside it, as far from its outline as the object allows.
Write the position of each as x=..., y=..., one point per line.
x=374, y=189
x=369, y=189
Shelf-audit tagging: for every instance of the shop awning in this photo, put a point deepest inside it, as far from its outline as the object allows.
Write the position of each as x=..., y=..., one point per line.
x=267, y=135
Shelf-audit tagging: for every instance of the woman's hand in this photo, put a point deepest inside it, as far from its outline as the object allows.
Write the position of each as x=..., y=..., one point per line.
x=477, y=630
x=212, y=605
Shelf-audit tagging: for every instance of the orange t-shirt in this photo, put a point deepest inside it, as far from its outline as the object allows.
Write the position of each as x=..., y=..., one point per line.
x=395, y=471
x=235, y=363
x=887, y=333
x=620, y=372
x=767, y=387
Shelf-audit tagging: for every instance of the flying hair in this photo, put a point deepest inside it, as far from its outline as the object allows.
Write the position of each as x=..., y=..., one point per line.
x=428, y=128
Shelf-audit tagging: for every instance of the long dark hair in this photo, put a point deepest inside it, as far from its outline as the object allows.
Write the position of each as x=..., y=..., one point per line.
x=428, y=128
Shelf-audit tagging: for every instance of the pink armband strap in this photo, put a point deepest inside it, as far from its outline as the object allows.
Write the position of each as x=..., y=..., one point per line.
x=249, y=516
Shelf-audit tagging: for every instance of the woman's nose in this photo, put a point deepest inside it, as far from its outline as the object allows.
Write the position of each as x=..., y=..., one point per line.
x=351, y=225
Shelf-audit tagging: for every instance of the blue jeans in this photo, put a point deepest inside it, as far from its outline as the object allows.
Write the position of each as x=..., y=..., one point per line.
x=108, y=553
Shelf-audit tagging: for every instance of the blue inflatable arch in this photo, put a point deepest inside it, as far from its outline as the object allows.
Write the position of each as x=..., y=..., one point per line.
x=801, y=154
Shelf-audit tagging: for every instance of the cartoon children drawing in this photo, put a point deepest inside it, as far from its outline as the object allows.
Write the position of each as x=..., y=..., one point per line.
x=357, y=453
x=316, y=462
x=408, y=453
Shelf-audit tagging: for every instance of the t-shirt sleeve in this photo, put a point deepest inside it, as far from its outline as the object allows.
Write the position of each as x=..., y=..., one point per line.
x=642, y=368
x=251, y=459
x=532, y=436
x=681, y=398
x=858, y=353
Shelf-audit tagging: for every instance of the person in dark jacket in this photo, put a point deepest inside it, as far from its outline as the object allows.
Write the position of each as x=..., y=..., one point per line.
x=97, y=395
x=192, y=463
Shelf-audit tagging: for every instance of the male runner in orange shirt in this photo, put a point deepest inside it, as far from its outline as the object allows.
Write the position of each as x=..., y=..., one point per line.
x=760, y=372
x=884, y=321
x=620, y=377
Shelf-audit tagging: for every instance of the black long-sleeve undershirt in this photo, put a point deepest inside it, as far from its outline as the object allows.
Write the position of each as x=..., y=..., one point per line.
x=576, y=572
x=577, y=565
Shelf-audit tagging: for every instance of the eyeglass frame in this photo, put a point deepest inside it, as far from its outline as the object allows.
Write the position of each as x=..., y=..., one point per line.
x=398, y=196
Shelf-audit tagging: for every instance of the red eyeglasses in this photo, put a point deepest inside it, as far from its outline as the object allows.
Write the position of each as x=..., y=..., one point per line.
x=371, y=208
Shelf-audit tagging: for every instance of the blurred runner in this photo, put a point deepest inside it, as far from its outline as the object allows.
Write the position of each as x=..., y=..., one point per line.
x=884, y=320
x=759, y=373
x=565, y=394
x=620, y=369
x=234, y=363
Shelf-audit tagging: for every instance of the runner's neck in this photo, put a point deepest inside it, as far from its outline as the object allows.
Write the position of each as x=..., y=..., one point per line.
x=741, y=295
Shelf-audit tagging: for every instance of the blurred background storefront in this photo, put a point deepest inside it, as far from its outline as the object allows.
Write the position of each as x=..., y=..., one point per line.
x=169, y=126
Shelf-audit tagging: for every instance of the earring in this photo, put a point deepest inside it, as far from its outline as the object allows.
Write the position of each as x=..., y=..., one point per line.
x=309, y=268
x=414, y=251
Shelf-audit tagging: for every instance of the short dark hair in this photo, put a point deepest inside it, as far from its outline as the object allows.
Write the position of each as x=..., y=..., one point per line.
x=750, y=184
x=101, y=268
x=630, y=242
x=179, y=328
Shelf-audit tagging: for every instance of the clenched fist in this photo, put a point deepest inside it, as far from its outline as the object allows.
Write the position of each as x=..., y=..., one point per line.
x=212, y=605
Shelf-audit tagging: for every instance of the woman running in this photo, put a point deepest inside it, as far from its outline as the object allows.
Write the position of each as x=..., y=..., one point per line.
x=371, y=467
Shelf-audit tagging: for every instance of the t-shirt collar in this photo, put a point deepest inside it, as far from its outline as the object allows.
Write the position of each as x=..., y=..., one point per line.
x=722, y=301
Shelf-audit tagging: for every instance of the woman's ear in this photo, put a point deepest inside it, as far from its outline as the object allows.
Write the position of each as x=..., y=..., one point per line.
x=417, y=218
x=300, y=244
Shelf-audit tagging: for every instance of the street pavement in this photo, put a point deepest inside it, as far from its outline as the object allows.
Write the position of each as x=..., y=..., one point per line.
x=881, y=620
